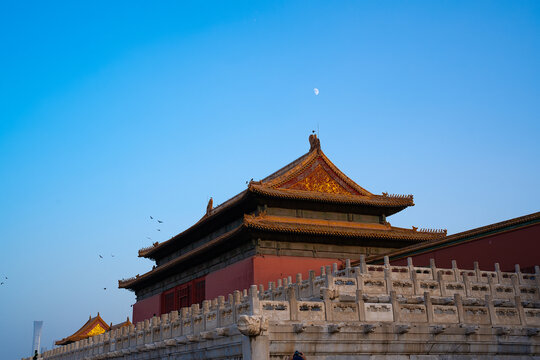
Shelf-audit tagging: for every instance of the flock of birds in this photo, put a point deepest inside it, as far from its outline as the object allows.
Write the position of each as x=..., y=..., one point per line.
x=315, y=91
x=3, y=282
x=112, y=255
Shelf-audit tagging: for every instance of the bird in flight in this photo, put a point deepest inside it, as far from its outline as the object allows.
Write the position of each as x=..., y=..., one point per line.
x=158, y=229
x=101, y=257
x=159, y=221
x=1, y=283
x=104, y=288
x=151, y=218
x=149, y=238
x=112, y=255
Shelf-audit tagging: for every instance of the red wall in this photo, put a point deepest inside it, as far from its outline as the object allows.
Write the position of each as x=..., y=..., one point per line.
x=146, y=308
x=260, y=270
x=237, y=276
x=271, y=268
x=520, y=246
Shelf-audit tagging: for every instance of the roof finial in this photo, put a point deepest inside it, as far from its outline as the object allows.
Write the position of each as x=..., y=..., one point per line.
x=210, y=206
x=314, y=142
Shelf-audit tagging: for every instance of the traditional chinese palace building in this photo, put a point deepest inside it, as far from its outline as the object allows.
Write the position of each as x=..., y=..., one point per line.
x=306, y=215
x=403, y=297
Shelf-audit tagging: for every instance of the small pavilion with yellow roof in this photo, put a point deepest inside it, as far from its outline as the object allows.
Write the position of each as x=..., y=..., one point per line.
x=94, y=326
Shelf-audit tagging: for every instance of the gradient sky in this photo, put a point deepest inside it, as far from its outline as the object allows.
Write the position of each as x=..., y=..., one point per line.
x=111, y=112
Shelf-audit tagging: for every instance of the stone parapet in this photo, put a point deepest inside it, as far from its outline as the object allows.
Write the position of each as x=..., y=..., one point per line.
x=364, y=310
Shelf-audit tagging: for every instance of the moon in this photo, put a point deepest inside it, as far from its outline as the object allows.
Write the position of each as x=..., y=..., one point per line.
x=316, y=91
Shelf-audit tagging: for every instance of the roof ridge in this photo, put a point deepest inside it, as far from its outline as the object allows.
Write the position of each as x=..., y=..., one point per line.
x=433, y=231
x=376, y=200
x=396, y=196
x=344, y=177
x=355, y=229
x=479, y=231
x=285, y=168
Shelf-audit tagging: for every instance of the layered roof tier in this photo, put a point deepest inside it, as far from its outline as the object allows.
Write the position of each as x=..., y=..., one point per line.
x=311, y=178
x=287, y=225
x=311, y=183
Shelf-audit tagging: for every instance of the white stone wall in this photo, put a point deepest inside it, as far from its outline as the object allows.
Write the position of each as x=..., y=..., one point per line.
x=364, y=312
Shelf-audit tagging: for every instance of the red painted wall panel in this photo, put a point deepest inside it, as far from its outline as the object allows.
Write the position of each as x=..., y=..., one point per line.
x=520, y=246
x=237, y=276
x=260, y=270
x=271, y=268
x=146, y=308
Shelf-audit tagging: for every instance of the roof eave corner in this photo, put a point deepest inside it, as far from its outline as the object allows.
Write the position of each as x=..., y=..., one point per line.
x=126, y=284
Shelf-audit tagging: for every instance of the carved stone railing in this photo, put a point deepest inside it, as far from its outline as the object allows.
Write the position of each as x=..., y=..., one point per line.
x=368, y=294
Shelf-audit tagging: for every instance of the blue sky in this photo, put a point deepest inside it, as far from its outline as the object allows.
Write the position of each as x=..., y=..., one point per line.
x=114, y=111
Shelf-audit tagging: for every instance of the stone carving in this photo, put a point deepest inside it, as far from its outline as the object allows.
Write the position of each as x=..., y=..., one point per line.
x=181, y=340
x=299, y=328
x=193, y=338
x=470, y=329
x=437, y=329
x=223, y=331
x=402, y=328
x=502, y=330
x=334, y=328
x=251, y=325
x=170, y=342
x=369, y=328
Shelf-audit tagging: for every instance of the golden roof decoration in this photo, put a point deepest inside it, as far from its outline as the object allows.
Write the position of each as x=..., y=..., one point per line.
x=94, y=326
